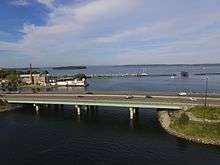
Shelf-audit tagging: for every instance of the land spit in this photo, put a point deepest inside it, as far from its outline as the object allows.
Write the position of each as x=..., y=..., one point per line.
x=165, y=120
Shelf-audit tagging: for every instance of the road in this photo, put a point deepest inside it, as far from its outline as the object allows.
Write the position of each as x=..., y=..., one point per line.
x=121, y=99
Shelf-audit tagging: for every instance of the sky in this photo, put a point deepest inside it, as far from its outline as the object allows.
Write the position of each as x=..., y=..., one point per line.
x=108, y=32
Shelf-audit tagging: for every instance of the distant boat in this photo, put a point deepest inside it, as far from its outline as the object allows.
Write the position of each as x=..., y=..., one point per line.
x=184, y=74
x=172, y=77
x=144, y=74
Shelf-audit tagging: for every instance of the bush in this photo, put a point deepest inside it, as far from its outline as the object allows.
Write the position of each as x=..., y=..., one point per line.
x=80, y=76
x=211, y=113
x=184, y=119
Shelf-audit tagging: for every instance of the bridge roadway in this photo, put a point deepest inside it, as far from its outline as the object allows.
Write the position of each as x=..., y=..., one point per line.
x=133, y=102
x=112, y=99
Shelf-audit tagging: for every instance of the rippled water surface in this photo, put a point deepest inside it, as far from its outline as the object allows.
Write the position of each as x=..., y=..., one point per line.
x=106, y=136
x=195, y=83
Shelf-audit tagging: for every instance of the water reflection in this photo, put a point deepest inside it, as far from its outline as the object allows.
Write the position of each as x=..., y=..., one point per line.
x=99, y=137
x=134, y=122
x=68, y=89
x=182, y=145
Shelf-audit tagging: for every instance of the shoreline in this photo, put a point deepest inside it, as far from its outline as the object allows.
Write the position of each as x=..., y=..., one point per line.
x=165, y=121
x=8, y=107
x=5, y=108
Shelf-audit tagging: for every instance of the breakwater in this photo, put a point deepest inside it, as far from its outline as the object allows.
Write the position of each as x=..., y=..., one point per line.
x=129, y=75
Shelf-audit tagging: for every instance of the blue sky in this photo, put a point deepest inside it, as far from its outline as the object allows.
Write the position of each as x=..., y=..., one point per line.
x=108, y=32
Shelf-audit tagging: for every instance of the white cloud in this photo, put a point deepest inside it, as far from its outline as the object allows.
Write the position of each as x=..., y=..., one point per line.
x=8, y=46
x=48, y=3
x=66, y=28
x=168, y=28
x=99, y=31
x=19, y=2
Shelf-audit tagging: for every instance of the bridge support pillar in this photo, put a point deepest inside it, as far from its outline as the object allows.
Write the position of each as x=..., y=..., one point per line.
x=133, y=111
x=56, y=106
x=85, y=107
x=92, y=107
x=78, y=109
x=37, y=108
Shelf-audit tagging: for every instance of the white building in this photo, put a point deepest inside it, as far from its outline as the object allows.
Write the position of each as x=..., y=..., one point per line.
x=70, y=82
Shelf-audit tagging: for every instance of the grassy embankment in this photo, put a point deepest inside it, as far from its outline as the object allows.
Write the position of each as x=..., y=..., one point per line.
x=210, y=113
x=205, y=130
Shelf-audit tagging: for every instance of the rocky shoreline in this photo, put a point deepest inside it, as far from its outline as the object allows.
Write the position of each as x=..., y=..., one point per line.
x=4, y=108
x=165, y=121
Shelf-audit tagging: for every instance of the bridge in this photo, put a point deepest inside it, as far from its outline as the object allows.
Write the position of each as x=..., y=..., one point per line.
x=131, y=101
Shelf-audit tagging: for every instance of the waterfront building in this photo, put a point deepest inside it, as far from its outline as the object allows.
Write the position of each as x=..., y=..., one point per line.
x=71, y=82
x=36, y=79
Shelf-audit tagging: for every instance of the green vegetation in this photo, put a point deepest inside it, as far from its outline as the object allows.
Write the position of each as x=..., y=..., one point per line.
x=11, y=77
x=198, y=130
x=208, y=131
x=7, y=72
x=80, y=76
x=2, y=103
x=183, y=119
x=36, y=89
x=211, y=113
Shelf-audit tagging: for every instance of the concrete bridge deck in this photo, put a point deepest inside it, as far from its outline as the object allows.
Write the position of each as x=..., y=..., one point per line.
x=109, y=99
x=133, y=102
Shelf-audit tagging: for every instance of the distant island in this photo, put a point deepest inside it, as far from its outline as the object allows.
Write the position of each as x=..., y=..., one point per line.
x=159, y=65
x=206, y=74
x=69, y=67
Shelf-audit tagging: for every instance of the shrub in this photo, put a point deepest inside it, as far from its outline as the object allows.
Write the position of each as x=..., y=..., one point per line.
x=211, y=113
x=80, y=76
x=184, y=119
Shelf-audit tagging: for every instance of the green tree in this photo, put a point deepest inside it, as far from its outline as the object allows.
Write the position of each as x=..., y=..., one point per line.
x=80, y=76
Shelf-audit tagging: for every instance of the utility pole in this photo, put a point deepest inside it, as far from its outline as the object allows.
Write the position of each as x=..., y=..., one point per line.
x=31, y=75
x=206, y=90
